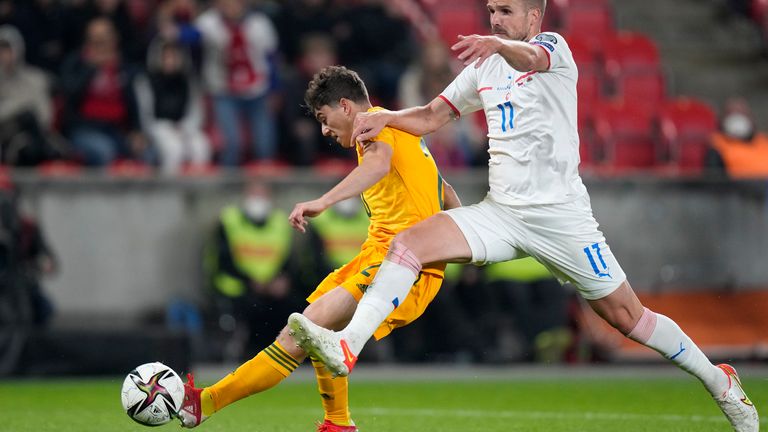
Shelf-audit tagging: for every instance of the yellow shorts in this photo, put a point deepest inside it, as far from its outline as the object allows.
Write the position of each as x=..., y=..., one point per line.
x=357, y=275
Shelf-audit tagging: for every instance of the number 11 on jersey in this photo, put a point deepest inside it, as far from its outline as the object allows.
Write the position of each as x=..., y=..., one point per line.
x=503, y=108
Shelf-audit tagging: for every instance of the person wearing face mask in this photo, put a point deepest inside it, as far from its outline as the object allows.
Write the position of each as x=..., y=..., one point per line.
x=738, y=149
x=251, y=264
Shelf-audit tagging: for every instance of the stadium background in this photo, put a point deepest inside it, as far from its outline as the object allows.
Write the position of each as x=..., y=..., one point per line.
x=654, y=78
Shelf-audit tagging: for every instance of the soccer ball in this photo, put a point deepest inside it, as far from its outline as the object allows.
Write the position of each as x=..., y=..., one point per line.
x=152, y=394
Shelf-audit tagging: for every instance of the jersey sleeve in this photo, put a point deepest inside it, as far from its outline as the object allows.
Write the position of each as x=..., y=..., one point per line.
x=386, y=136
x=556, y=49
x=461, y=95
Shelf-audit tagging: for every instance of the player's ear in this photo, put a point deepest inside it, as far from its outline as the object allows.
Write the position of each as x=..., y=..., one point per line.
x=346, y=106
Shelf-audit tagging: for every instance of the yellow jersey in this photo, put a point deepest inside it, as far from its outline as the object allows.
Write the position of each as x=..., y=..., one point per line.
x=411, y=192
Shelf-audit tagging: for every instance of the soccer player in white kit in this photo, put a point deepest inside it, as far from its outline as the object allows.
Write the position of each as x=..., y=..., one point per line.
x=525, y=82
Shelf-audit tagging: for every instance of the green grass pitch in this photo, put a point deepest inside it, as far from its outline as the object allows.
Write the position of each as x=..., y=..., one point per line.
x=622, y=404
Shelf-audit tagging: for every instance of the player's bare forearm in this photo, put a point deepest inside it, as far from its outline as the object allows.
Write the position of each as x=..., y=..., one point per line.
x=377, y=157
x=523, y=56
x=422, y=120
x=418, y=121
x=450, y=197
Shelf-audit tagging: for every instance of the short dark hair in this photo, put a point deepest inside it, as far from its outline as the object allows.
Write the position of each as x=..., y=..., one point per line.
x=333, y=83
x=537, y=4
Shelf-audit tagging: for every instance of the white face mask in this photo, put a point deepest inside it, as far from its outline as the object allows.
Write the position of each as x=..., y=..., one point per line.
x=257, y=208
x=347, y=208
x=738, y=126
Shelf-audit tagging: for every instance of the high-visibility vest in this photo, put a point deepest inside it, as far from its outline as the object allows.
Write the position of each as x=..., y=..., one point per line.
x=520, y=270
x=342, y=236
x=259, y=252
x=743, y=160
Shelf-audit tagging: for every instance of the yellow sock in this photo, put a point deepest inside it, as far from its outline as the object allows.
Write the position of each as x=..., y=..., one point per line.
x=334, y=392
x=266, y=370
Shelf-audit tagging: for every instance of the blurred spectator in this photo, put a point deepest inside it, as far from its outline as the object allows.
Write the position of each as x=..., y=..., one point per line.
x=738, y=149
x=101, y=115
x=459, y=143
x=304, y=142
x=298, y=19
x=172, y=108
x=79, y=13
x=254, y=264
x=239, y=70
x=41, y=23
x=175, y=21
x=375, y=41
x=25, y=105
x=37, y=260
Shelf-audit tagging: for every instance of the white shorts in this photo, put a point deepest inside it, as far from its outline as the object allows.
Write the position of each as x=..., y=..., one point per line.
x=563, y=237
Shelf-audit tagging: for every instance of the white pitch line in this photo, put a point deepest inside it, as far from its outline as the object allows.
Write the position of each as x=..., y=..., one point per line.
x=538, y=415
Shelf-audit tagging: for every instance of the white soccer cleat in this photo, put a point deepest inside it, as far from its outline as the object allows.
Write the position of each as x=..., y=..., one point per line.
x=736, y=406
x=324, y=345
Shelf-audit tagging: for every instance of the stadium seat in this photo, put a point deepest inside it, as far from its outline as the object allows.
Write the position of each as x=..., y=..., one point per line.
x=758, y=10
x=643, y=89
x=685, y=128
x=453, y=20
x=587, y=55
x=624, y=131
x=630, y=52
x=129, y=168
x=58, y=168
x=594, y=23
x=334, y=167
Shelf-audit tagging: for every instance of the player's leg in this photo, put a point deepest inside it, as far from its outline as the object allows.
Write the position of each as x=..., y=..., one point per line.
x=623, y=310
x=271, y=365
x=435, y=239
x=566, y=239
x=478, y=233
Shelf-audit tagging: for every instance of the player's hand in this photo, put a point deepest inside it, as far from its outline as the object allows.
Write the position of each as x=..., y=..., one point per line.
x=475, y=48
x=303, y=210
x=369, y=124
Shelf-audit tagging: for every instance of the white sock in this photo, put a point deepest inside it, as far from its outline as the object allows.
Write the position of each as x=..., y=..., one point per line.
x=663, y=335
x=388, y=289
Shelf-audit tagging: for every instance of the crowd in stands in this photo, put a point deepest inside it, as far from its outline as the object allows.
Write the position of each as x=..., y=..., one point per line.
x=191, y=85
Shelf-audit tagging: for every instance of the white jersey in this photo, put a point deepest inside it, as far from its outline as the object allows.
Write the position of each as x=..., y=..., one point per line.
x=533, y=141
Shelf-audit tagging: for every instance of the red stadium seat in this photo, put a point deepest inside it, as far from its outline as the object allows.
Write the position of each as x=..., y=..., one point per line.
x=129, y=168
x=453, y=20
x=624, y=131
x=630, y=52
x=642, y=89
x=758, y=10
x=593, y=23
x=685, y=128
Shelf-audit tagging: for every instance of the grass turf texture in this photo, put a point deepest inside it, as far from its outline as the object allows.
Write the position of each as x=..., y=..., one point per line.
x=573, y=404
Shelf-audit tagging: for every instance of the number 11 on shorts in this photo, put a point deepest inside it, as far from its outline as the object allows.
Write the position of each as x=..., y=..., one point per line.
x=602, y=270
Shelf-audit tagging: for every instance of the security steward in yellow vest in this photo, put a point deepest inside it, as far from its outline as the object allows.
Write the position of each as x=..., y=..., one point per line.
x=538, y=306
x=342, y=228
x=254, y=266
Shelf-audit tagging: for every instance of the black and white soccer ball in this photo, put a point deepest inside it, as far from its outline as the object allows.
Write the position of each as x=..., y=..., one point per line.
x=152, y=394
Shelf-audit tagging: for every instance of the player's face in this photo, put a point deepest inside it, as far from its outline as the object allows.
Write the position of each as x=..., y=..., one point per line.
x=336, y=123
x=510, y=19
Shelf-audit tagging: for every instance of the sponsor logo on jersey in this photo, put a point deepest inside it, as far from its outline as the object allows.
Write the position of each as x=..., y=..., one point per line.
x=546, y=45
x=543, y=37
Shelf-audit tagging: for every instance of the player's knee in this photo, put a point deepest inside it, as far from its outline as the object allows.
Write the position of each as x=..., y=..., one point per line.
x=401, y=252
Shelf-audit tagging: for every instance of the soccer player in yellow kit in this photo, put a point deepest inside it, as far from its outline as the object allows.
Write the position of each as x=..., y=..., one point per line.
x=400, y=185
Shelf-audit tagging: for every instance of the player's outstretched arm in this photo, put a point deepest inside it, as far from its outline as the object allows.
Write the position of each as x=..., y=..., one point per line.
x=451, y=198
x=522, y=56
x=377, y=157
x=418, y=121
